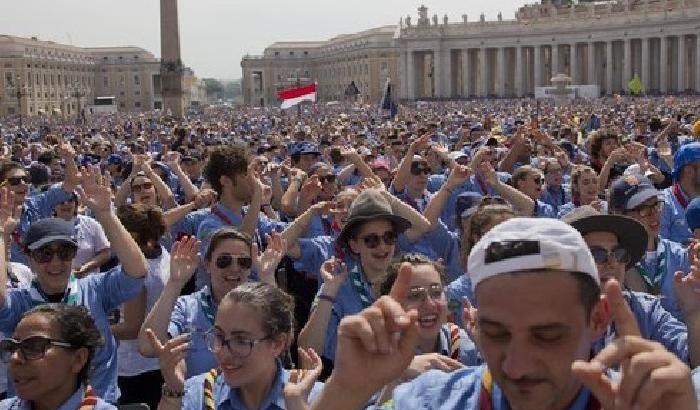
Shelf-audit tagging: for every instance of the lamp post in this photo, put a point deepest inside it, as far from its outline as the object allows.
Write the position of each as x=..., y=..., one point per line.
x=20, y=94
x=78, y=95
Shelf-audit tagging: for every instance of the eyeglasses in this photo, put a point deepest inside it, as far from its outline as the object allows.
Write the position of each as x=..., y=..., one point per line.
x=602, y=255
x=14, y=181
x=417, y=170
x=372, y=240
x=143, y=187
x=237, y=346
x=537, y=180
x=330, y=179
x=31, y=348
x=225, y=260
x=65, y=253
x=419, y=294
x=649, y=209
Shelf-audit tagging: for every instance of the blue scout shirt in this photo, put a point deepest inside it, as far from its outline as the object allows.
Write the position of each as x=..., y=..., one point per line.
x=437, y=244
x=455, y=292
x=314, y=251
x=72, y=403
x=544, y=210
x=655, y=323
x=100, y=293
x=556, y=196
x=674, y=227
x=457, y=390
x=227, y=398
x=189, y=317
x=35, y=207
x=468, y=353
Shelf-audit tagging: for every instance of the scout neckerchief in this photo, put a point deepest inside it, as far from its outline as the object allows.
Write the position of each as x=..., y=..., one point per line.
x=359, y=285
x=70, y=297
x=208, y=390
x=654, y=279
x=486, y=399
x=227, y=221
x=454, y=340
x=680, y=196
x=207, y=303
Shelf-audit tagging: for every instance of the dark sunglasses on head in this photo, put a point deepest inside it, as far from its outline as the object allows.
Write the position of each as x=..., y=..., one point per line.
x=31, y=348
x=65, y=252
x=14, y=181
x=327, y=179
x=225, y=260
x=602, y=255
x=372, y=240
x=418, y=169
x=142, y=187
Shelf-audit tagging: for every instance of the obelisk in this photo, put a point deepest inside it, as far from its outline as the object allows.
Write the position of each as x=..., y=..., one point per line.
x=171, y=68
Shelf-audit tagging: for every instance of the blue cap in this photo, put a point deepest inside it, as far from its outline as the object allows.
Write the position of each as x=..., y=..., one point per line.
x=45, y=231
x=467, y=203
x=308, y=148
x=692, y=214
x=630, y=191
x=114, y=159
x=685, y=155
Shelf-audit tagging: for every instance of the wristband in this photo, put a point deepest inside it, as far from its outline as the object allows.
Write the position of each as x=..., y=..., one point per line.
x=171, y=394
x=327, y=298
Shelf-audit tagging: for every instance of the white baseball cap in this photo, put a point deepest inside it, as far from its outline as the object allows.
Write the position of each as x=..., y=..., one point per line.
x=525, y=244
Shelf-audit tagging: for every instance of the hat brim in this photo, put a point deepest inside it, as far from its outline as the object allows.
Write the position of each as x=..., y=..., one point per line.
x=401, y=224
x=630, y=233
x=47, y=240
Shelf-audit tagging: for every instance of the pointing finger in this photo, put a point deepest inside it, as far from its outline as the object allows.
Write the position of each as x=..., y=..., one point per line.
x=625, y=322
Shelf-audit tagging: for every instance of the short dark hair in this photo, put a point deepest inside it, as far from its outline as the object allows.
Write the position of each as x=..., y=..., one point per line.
x=589, y=292
x=230, y=160
x=76, y=327
x=146, y=222
x=7, y=167
x=414, y=259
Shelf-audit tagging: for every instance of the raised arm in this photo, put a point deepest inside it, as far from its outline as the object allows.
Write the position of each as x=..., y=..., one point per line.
x=250, y=220
x=522, y=204
x=419, y=224
x=404, y=172
x=173, y=160
x=357, y=162
x=291, y=196
x=67, y=154
x=166, y=196
x=96, y=193
x=436, y=205
x=9, y=219
x=300, y=224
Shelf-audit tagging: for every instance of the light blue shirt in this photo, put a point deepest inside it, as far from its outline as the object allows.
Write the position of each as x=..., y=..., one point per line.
x=468, y=353
x=188, y=317
x=100, y=293
x=457, y=390
x=674, y=227
x=72, y=403
x=556, y=196
x=227, y=398
x=36, y=207
x=455, y=293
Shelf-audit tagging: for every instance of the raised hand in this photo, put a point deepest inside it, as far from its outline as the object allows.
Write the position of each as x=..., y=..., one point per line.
x=457, y=176
x=421, y=143
x=488, y=173
x=66, y=151
x=171, y=356
x=172, y=158
x=651, y=377
x=311, y=188
x=9, y=212
x=267, y=262
x=205, y=198
x=376, y=345
x=94, y=190
x=301, y=381
x=334, y=272
x=687, y=286
x=184, y=259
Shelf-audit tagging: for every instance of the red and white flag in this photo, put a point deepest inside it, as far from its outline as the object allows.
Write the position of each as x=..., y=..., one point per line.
x=294, y=96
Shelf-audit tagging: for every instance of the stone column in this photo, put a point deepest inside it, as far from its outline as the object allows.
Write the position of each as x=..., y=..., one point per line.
x=537, y=66
x=627, y=65
x=609, y=67
x=466, y=74
x=555, y=61
x=483, y=77
x=410, y=75
x=501, y=72
x=438, y=72
x=663, y=66
x=681, y=63
x=591, y=64
x=697, y=63
x=646, y=76
x=403, y=74
x=518, y=71
x=171, y=68
x=573, y=61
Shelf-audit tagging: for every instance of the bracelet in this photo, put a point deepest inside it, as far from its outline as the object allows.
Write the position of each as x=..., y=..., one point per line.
x=327, y=298
x=171, y=394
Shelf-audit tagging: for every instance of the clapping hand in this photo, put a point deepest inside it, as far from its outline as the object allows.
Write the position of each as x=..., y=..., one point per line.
x=94, y=190
x=171, y=356
x=651, y=377
x=333, y=272
x=266, y=263
x=301, y=381
x=9, y=212
x=184, y=259
x=457, y=176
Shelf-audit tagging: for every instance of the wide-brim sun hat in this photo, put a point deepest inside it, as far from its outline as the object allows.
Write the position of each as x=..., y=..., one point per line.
x=371, y=205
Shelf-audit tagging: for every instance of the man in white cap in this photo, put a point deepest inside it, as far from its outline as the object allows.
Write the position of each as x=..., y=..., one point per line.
x=539, y=312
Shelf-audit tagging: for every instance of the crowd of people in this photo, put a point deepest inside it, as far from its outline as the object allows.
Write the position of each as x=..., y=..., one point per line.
x=482, y=255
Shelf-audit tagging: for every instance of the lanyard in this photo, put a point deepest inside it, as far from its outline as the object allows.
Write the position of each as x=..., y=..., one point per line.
x=207, y=304
x=227, y=221
x=70, y=297
x=359, y=286
x=680, y=196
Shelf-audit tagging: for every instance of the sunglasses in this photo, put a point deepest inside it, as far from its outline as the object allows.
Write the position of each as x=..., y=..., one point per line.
x=65, y=253
x=372, y=240
x=419, y=294
x=143, y=187
x=225, y=260
x=417, y=170
x=31, y=348
x=538, y=180
x=14, y=181
x=646, y=210
x=602, y=255
x=330, y=179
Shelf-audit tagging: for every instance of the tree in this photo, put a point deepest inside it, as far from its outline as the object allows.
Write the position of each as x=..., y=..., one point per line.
x=213, y=86
x=635, y=85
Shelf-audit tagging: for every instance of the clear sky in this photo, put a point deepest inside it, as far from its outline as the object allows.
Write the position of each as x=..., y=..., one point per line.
x=216, y=34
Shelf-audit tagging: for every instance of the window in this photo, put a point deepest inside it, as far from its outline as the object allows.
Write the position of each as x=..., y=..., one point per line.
x=105, y=82
x=277, y=53
x=291, y=53
x=122, y=105
x=9, y=81
x=137, y=92
x=137, y=104
x=137, y=80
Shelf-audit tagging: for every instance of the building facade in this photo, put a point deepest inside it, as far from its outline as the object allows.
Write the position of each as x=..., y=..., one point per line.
x=365, y=59
x=594, y=43
x=46, y=78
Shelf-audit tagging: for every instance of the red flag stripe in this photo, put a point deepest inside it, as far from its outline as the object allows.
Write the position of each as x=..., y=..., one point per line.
x=296, y=92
